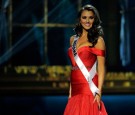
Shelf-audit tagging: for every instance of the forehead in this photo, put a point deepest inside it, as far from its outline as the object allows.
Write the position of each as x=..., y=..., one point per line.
x=87, y=13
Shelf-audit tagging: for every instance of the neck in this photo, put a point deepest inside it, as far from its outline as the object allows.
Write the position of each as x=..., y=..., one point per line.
x=84, y=33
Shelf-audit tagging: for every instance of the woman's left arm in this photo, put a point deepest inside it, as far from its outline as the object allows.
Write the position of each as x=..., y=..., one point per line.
x=101, y=72
x=101, y=64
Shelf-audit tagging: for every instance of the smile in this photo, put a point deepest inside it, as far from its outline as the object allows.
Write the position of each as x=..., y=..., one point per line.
x=87, y=24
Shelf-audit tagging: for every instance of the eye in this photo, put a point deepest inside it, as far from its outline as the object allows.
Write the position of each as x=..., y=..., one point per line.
x=84, y=17
x=91, y=17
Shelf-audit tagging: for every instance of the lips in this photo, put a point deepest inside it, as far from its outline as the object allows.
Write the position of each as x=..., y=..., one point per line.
x=87, y=24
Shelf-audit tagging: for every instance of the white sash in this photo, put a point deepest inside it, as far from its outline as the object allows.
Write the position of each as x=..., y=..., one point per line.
x=87, y=74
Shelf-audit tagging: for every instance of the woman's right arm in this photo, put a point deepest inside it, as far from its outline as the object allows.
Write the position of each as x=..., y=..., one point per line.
x=70, y=88
x=69, y=91
x=71, y=40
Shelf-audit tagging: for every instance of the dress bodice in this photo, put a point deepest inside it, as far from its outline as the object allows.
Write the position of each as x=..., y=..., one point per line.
x=87, y=54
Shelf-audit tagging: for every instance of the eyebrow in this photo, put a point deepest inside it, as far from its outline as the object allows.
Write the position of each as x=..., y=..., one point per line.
x=88, y=16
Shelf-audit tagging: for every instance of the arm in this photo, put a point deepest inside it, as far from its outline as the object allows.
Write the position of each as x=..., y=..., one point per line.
x=69, y=91
x=71, y=42
x=100, y=69
x=101, y=72
x=101, y=64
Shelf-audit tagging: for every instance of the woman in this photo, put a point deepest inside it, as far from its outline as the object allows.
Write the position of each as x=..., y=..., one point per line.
x=87, y=55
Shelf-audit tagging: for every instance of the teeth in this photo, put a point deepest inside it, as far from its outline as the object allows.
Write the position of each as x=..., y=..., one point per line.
x=87, y=24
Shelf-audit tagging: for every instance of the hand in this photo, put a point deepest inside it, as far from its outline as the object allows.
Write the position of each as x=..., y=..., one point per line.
x=97, y=99
x=69, y=96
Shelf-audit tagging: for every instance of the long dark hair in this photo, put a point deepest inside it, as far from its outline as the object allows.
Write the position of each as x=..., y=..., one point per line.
x=95, y=31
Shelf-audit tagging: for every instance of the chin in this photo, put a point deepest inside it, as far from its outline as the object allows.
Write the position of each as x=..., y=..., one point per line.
x=87, y=28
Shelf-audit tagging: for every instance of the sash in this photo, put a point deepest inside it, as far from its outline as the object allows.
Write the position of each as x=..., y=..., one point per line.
x=87, y=74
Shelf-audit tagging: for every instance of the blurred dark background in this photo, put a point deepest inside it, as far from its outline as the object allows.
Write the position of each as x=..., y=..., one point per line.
x=34, y=32
x=34, y=66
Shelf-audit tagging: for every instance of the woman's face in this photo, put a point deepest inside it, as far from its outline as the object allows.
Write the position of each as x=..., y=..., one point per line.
x=87, y=19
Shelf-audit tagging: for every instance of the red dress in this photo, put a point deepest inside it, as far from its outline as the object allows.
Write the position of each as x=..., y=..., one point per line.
x=81, y=101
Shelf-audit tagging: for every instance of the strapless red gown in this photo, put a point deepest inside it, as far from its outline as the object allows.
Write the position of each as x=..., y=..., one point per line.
x=81, y=101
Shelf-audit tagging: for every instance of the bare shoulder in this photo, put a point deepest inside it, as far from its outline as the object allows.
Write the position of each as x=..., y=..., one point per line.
x=100, y=43
x=71, y=39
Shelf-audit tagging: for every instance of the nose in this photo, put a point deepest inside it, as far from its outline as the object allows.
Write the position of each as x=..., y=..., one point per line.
x=87, y=20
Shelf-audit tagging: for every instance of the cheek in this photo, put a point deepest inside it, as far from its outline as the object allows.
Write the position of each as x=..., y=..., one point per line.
x=92, y=21
x=82, y=21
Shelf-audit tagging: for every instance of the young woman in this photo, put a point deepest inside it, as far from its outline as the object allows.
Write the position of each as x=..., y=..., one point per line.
x=87, y=55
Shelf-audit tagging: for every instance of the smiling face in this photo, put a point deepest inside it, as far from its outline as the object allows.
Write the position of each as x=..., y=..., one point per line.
x=87, y=19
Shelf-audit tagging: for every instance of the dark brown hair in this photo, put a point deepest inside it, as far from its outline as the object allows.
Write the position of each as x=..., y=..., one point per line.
x=96, y=30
